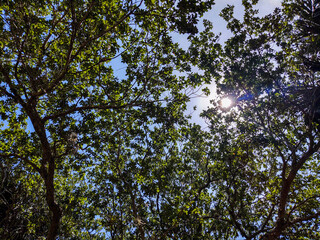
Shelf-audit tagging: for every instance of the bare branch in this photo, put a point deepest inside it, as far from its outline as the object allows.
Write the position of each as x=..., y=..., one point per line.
x=44, y=48
x=301, y=203
x=307, y=218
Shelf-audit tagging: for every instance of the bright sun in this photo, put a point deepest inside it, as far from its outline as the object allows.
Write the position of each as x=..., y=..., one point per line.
x=226, y=102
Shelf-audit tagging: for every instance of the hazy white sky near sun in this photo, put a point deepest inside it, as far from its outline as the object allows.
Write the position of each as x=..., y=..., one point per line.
x=219, y=25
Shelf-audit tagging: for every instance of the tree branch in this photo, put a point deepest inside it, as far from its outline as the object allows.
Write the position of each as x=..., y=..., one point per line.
x=78, y=109
x=15, y=95
x=22, y=158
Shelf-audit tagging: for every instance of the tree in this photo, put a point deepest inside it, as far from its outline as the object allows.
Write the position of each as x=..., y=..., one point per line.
x=89, y=151
x=264, y=150
x=87, y=144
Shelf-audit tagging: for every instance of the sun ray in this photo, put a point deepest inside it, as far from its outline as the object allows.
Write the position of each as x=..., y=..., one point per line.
x=226, y=102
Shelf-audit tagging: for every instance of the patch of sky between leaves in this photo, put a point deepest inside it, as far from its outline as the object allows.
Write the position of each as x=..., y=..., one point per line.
x=219, y=26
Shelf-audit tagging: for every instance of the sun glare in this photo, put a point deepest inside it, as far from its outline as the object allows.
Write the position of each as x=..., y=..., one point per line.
x=226, y=102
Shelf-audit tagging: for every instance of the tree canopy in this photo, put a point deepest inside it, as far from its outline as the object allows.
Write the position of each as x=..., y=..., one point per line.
x=95, y=142
x=265, y=150
x=85, y=141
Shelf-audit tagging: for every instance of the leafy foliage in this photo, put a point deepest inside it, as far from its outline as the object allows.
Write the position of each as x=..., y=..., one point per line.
x=265, y=149
x=91, y=105
x=95, y=143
